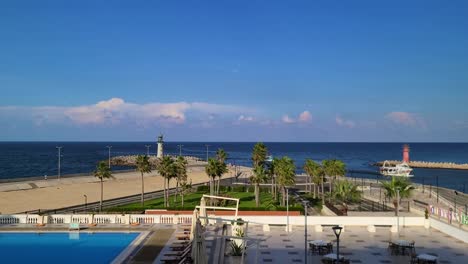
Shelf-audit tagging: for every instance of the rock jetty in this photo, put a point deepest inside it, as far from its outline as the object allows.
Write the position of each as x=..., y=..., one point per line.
x=428, y=165
x=130, y=160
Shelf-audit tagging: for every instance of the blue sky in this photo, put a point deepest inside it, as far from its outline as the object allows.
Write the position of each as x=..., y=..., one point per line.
x=234, y=70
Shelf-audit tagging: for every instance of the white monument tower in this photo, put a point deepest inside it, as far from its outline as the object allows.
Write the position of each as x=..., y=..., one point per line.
x=160, y=146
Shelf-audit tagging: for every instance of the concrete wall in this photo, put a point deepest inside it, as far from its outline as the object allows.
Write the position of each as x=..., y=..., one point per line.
x=449, y=230
x=337, y=220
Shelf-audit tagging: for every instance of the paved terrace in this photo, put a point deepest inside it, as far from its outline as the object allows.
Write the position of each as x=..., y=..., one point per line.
x=356, y=244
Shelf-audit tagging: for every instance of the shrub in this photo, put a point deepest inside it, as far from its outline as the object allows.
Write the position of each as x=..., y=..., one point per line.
x=203, y=188
x=238, y=189
x=224, y=188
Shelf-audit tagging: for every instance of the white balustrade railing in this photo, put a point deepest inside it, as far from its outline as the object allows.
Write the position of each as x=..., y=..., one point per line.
x=144, y=219
x=81, y=219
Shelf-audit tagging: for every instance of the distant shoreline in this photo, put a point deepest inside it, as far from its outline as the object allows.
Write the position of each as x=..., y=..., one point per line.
x=427, y=164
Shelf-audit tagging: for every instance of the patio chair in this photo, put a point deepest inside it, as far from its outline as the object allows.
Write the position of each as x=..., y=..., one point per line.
x=412, y=248
x=329, y=248
x=414, y=259
x=312, y=249
x=394, y=248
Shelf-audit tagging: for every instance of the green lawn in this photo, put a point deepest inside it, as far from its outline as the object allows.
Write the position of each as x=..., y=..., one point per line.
x=247, y=202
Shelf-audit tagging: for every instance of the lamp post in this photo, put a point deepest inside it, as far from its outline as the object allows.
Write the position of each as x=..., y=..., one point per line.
x=109, y=148
x=423, y=183
x=85, y=202
x=180, y=150
x=337, y=231
x=207, y=147
x=287, y=210
x=147, y=149
x=437, y=182
x=398, y=211
x=59, y=161
x=305, y=230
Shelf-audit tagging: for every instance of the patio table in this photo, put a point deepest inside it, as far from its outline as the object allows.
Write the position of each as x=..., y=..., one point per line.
x=427, y=258
x=332, y=256
x=318, y=242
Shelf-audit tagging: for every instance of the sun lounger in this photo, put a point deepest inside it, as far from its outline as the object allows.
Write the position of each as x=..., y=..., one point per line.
x=74, y=226
x=182, y=237
x=178, y=253
x=178, y=258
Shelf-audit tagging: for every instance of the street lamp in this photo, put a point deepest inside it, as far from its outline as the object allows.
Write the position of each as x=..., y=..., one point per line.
x=337, y=231
x=287, y=210
x=455, y=201
x=85, y=202
x=180, y=149
x=305, y=230
x=59, y=161
x=207, y=146
x=147, y=149
x=398, y=210
x=109, y=148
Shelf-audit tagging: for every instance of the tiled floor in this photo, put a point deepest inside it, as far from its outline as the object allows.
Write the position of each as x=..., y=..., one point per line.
x=356, y=244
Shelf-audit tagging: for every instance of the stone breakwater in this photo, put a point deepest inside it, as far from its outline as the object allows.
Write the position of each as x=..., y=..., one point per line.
x=428, y=165
x=130, y=160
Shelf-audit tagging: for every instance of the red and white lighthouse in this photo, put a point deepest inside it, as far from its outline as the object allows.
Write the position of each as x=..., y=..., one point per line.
x=406, y=153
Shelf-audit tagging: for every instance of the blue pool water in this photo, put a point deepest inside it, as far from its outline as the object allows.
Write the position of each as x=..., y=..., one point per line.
x=63, y=247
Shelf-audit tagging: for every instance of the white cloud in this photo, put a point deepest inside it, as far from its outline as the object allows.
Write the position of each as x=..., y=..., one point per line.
x=346, y=123
x=245, y=118
x=116, y=110
x=305, y=116
x=288, y=120
x=405, y=118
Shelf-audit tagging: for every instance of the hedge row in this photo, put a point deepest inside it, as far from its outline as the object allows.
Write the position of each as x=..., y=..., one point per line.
x=206, y=189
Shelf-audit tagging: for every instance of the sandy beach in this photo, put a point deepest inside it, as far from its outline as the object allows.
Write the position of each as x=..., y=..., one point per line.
x=52, y=193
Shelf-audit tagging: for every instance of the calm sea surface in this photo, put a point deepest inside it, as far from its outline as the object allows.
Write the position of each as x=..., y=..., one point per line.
x=31, y=159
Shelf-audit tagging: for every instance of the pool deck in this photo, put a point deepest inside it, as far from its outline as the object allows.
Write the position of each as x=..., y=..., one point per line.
x=356, y=244
x=153, y=246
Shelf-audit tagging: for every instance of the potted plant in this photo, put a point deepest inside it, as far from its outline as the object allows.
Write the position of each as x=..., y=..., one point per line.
x=92, y=223
x=41, y=221
x=427, y=223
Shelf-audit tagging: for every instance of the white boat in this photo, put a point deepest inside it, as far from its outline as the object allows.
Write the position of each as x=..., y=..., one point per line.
x=400, y=170
x=269, y=158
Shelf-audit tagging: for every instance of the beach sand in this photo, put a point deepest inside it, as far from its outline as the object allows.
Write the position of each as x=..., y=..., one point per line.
x=52, y=193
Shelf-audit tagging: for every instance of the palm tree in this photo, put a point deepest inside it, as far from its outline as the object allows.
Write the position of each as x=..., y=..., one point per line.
x=315, y=172
x=259, y=154
x=102, y=172
x=185, y=188
x=392, y=187
x=258, y=177
x=143, y=166
x=212, y=169
x=166, y=169
x=333, y=168
x=181, y=170
x=221, y=156
x=346, y=192
x=270, y=173
x=286, y=173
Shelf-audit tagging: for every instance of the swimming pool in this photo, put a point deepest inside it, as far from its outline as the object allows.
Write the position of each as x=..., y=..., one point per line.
x=67, y=248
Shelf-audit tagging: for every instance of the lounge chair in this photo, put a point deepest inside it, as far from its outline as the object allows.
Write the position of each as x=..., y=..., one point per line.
x=74, y=226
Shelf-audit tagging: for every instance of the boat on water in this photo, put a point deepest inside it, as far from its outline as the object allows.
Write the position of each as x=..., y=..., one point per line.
x=399, y=170
x=269, y=158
